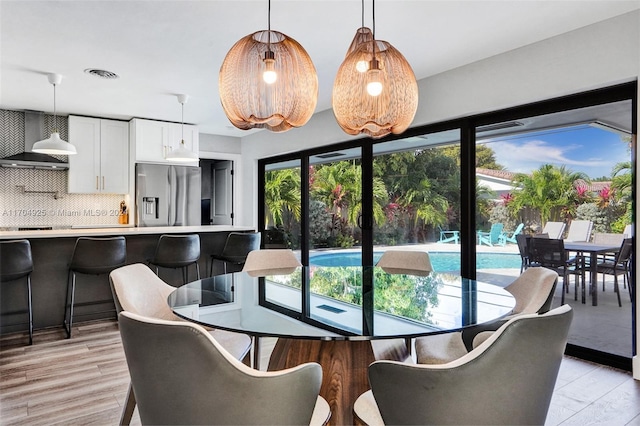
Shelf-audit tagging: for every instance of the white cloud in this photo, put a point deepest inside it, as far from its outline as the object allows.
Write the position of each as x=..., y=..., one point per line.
x=529, y=155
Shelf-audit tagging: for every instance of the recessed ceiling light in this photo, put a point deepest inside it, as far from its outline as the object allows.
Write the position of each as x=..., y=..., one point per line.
x=102, y=73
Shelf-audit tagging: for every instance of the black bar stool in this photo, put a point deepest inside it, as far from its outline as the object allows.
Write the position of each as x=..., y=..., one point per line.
x=177, y=251
x=92, y=256
x=16, y=262
x=236, y=249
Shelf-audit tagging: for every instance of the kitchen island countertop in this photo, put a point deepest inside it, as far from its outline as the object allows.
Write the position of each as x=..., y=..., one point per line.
x=119, y=230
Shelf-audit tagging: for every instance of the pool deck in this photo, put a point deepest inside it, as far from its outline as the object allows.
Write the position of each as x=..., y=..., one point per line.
x=605, y=327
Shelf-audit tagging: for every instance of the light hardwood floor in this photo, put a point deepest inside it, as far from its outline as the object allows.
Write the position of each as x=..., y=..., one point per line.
x=84, y=381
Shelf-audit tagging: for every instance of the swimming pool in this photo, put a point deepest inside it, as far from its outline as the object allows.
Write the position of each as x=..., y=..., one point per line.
x=441, y=261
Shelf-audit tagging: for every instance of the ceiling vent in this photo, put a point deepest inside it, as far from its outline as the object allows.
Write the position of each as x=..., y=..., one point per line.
x=331, y=155
x=108, y=75
x=499, y=126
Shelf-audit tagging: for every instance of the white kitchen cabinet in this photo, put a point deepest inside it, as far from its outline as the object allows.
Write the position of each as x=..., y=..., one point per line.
x=102, y=162
x=153, y=140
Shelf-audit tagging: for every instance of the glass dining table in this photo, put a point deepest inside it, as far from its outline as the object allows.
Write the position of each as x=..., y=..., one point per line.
x=344, y=318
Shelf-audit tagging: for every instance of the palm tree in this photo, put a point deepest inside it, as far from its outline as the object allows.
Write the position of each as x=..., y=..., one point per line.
x=549, y=190
x=282, y=196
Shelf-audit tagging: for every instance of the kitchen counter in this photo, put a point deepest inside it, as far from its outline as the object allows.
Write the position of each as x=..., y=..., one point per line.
x=119, y=230
x=52, y=251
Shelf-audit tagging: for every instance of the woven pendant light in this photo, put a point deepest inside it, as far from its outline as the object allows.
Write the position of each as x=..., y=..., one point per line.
x=375, y=91
x=267, y=80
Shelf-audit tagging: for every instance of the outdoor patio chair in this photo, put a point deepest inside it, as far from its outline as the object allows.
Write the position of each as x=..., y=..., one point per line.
x=554, y=229
x=448, y=236
x=505, y=237
x=492, y=237
x=579, y=231
x=523, y=249
x=628, y=231
x=619, y=266
x=550, y=253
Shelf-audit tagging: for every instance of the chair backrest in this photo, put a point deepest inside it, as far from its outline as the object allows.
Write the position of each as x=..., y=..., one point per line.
x=495, y=232
x=533, y=290
x=554, y=229
x=521, y=239
x=547, y=252
x=239, y=244
x=579, y=230
x=16, y=260
x=405, y=262
x=98, y=255
x=626, y=249
x=508, y=379
x=270, y=262
x=137, y=289
x=181, y=375
x=175, y=251
x=605, y=238
x=518, y=230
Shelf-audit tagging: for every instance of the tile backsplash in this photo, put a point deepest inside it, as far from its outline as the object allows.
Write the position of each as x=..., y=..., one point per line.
x=38, y=198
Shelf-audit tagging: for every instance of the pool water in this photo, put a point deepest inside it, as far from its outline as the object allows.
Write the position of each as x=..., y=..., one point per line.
x=441, y=261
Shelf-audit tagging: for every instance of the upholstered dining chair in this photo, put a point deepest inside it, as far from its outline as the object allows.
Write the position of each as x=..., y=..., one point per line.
x=261, y=263
x=405, y=262
x=533, y=291
x=507, y=380
x=138, y=290
x=264, y=262
x=181, y=375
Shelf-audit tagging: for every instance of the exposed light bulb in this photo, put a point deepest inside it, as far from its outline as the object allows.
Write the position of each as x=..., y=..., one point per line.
x=362, y=66
x=374, y=80
x=269, y=75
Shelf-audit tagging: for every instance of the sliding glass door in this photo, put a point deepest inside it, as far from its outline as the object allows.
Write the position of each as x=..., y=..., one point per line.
x=463, y=191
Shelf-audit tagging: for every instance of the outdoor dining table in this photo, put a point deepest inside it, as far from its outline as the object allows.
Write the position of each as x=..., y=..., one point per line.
x=593, y=250
x=378, y=314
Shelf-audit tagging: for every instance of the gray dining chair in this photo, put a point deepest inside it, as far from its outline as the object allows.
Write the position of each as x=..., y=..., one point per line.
x=533, y=291
x=260, y=263
x=182, y=376
x=412, y=262
x=138, y=290
x=507, y=380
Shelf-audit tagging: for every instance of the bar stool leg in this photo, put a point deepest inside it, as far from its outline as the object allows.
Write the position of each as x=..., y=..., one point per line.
x=30, y=309
x=197, y=270
x=69, y=325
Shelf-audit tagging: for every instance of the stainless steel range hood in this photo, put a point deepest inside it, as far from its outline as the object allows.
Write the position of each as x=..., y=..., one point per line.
x=33, y=131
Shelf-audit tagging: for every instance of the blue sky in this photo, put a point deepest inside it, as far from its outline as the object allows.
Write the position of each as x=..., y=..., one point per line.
x=581, y=149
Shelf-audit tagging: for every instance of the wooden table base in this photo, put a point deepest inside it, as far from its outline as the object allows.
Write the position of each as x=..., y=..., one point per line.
x=344, y=369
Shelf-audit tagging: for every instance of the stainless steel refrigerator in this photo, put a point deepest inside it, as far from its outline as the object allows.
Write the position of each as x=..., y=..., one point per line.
x=167, y=195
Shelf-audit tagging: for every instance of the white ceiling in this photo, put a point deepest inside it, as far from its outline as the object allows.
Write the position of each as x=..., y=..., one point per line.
x=163, y=48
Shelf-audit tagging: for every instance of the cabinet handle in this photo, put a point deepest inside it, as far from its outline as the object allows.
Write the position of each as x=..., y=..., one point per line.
x=97, y=183
x=102, y=182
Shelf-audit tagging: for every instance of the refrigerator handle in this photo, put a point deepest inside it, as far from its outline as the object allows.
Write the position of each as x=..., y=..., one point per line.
x=171, y=211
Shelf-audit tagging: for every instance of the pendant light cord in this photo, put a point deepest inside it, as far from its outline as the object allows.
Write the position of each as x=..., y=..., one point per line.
x=55, y=116
x=362, y=14
x=182, y=124
x=269, y=27
x=373, y=14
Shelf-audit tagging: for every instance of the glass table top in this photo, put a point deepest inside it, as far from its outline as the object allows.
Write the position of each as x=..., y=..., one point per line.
x=352, y=303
